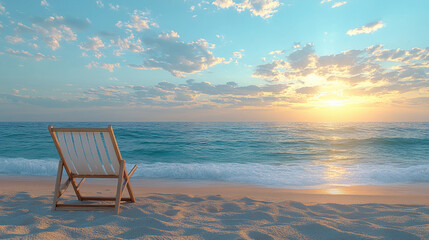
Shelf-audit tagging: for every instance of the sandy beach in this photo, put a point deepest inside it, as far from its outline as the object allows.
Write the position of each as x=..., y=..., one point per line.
x=181, y=210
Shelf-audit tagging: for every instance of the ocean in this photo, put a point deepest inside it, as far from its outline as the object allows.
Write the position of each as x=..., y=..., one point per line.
x=281, y=155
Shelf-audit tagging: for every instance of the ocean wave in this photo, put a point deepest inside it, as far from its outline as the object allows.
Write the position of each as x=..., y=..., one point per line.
x=380, y=141
x=288, y=176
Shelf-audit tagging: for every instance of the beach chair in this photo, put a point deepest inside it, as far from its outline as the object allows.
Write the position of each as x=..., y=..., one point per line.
x=89, y=153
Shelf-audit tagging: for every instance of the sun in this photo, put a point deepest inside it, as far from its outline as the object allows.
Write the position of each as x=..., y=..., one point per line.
x=333, y=102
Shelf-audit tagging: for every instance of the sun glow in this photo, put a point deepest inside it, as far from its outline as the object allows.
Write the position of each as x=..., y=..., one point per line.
x=333, y=103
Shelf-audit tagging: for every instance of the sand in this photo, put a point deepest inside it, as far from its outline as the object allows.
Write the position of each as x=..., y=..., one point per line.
x=183, y=210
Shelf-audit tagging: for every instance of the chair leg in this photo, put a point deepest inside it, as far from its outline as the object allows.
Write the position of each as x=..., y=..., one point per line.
x=119, y=187
x=57, y=184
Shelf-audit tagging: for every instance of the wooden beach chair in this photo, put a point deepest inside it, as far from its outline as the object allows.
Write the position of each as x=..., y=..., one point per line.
x=89, y=153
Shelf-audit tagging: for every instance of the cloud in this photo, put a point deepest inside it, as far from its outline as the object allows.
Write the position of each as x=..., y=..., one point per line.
x=99, y=3
x=308, y=90
x=164, y=95
x=192, y=94
x=52, y=30
x=368, y=28
x=372, y=71
x=25, y=54
x=276, y=52
x=334, y=4
x=129, y=43
x=270, y=70
x=113, y=7
x=2, y=9
x=108, y=66
x=166, y=51
x=14, y=39
x=44, y=3
x=338, y=4
x=262, y=8
x=93, y=45
x=139, y=21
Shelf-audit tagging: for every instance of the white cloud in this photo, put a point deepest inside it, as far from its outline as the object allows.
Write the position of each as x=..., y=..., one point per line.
x=224, y=3
x=166, y=51
x=99, y=3
x=25, y=54
x=262, y=8
x=129, y=43
x=338, y=4
x=108, y=66
x=276, y=52
x=93, y=45
x=113, y=7
x=368, y=28
x=44, y=3
x=235, y=56
x=2, y=9
x=52, y=30
x=14, y=39
x=139, y=21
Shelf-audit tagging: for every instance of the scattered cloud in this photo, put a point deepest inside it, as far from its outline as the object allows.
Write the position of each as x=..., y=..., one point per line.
x=108, y=66
x=166, y=51
x=14, y=39
x=94, y=44
x=334, y=4
x=44, y=3
x=270, y=70
x=192, y=94
x=25, y=54
x=52, y=30
x=262, y=8
x=139, y=22
x=277, y=52
x=2, y=9
x=368, y=28
x=129, y=43
x=114, y=7
x=338, y=4
x=99, y=3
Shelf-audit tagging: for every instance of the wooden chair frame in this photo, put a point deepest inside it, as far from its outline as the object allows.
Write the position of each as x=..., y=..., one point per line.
x=123, y=177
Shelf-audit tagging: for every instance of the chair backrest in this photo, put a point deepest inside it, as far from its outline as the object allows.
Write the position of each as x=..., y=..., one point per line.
x=88, y=151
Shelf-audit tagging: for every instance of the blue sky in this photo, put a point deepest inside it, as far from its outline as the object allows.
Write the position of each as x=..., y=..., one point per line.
x=223, y=60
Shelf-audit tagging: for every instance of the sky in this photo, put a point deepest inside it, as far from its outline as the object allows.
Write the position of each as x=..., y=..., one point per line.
x=222, y=60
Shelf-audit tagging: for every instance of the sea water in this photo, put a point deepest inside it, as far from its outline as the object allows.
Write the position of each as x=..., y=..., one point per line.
x=285, y=155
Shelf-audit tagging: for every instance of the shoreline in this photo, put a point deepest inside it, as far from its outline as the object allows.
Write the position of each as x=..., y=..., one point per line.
x=410, y=194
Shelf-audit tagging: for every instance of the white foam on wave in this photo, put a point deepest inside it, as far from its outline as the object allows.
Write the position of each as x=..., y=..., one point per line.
x=32, y=167
x=292, y=175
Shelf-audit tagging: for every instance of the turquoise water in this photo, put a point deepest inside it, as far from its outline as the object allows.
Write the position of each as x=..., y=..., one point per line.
x=269, y=154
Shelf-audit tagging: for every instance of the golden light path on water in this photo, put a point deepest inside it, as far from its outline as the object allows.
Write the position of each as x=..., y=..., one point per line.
x=334, y=172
